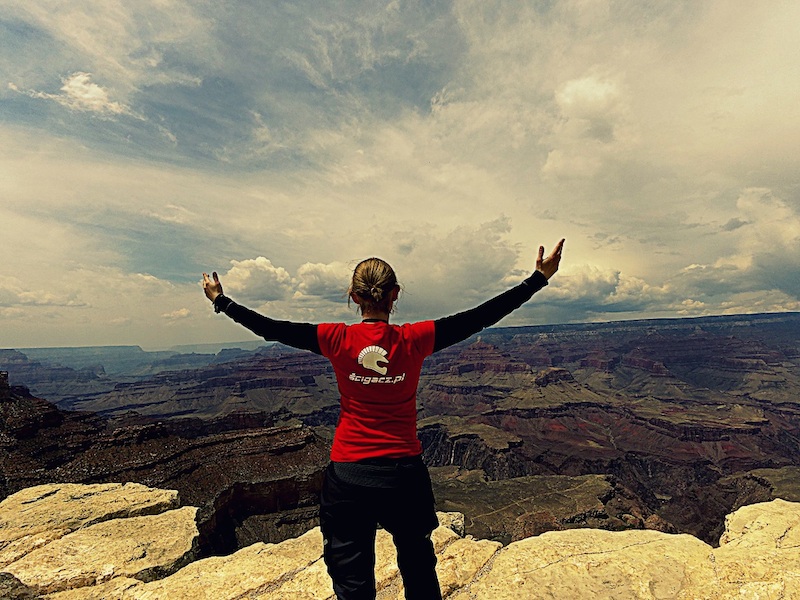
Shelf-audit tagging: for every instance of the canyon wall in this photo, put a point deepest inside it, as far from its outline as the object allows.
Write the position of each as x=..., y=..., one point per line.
x=250, y=480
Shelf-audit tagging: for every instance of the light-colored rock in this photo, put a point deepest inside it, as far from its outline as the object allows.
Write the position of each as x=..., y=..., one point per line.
x=137, y=558
x=461, y=561
x=293, y=569
x=254, y=572
x=759, y=553
x=115, y=588
x=759, y=559
x=454, y=521
x=312, y=583
x=754, y=525
x=597, y=564
x=386, y=571
x=36, y=516
x=145, y=548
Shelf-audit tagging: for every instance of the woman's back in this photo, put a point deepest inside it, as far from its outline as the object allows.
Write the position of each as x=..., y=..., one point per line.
x=377, y=369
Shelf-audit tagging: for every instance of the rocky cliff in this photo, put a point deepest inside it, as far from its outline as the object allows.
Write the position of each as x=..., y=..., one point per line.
x=129, y=542
x=249, y=480
x=255, y=482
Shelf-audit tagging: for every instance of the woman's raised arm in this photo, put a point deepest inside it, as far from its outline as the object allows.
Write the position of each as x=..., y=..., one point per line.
x=297, y=335
x=456, y=328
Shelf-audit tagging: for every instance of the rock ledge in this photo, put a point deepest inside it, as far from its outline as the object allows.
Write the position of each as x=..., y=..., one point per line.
x=130, y=542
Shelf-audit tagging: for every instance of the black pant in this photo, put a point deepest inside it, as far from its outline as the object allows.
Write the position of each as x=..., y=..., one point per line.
x=350, y=514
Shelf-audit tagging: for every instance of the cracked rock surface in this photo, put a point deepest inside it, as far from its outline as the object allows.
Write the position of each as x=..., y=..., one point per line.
x=129, y=542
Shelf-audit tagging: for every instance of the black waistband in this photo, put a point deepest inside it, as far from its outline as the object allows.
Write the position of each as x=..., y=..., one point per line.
x=379, y=472
x=383, y=461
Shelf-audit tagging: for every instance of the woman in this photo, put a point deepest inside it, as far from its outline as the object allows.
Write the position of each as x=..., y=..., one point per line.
x=376, y=475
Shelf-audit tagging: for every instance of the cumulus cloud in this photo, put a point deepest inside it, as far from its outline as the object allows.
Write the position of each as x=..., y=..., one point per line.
x=258, y=280
x=766, y=252
x=770, y=247
x=441, y=271
x=81, y=93
x=757, y=302
x=327, y=281
x=774, y=221
x=585, y=292
x=589, y=106
x=690, y=307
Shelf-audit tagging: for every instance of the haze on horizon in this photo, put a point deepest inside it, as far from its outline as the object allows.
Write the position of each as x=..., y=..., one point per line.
x=145, y=142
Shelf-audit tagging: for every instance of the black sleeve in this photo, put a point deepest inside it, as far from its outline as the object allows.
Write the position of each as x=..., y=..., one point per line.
x=297, y=335
x=456, y=328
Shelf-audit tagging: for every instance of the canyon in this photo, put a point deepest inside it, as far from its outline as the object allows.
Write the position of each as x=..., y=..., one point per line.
x=665, y=424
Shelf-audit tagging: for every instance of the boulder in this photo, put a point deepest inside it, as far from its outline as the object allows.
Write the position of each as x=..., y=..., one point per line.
x=143, y=548
x=39, y=515
x=62, y=537
x=759, y=553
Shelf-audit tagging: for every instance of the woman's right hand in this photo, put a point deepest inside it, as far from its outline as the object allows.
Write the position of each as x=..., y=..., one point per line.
x=548, y=266
x=212, y=289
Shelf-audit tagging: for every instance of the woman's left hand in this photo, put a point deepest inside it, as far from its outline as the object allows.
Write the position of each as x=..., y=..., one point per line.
x=212, y=288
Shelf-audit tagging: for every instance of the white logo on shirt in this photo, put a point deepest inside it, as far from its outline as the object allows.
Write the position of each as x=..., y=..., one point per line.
x=366, y=379
x=373, y=358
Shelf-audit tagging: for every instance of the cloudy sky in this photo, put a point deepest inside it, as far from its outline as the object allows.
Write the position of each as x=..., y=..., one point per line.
x=279, y=142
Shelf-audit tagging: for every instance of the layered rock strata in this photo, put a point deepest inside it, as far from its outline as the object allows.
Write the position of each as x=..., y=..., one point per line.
x=513, y=509
x=249, y=482
x=127, y=542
